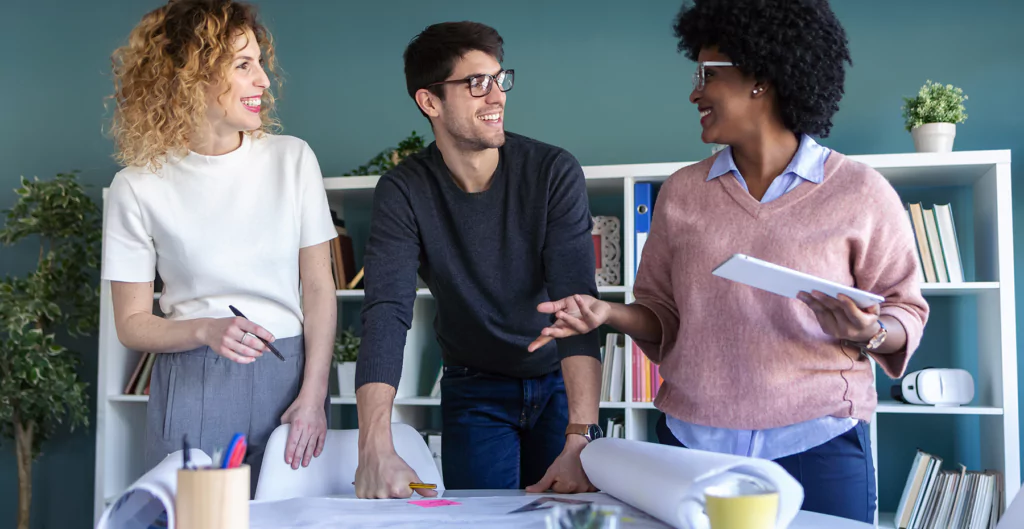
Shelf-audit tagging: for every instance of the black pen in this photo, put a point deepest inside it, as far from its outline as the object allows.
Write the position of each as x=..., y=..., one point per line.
x=186, y=457
x=268, y=344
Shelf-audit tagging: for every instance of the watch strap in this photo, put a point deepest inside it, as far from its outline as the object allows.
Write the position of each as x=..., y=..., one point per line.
x=579, y=429
x=873, y=343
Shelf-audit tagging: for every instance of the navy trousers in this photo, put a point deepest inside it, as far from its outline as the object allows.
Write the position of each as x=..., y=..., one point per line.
x=838, y=476
x=500, y=432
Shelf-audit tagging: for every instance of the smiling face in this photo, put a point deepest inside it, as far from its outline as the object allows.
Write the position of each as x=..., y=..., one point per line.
x=474, y=123
x=730, y=110
x=233, y=104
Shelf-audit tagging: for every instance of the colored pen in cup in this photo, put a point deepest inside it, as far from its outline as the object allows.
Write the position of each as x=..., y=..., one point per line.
x=268, y=344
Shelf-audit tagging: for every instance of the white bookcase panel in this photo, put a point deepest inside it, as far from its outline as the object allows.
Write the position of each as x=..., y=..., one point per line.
x=120, y=423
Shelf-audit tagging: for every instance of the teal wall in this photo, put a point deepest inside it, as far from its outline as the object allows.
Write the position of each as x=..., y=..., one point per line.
x=598, y=77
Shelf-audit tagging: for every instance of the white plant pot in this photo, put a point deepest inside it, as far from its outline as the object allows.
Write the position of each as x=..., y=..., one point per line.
x=347, y=379
x=934, y=137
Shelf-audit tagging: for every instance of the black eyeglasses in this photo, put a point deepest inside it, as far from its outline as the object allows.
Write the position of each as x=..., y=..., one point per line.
x=481, y=84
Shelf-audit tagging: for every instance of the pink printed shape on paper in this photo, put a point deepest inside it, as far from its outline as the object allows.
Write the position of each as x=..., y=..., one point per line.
x=434, y=503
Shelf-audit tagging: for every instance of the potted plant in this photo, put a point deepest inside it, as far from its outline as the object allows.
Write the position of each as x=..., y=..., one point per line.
x=346, y=350
x=931, y=117
x=389, y=158
x=40, y=388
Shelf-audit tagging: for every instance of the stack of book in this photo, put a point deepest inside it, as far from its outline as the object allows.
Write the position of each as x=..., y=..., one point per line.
x=951, y=499
x=646, y=377
x=937, y=249
x=613, y=367
x=343, y=262
x=615, y=427
x=138, y=384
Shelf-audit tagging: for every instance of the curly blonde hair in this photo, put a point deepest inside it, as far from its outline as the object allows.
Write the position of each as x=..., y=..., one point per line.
x=161, y=76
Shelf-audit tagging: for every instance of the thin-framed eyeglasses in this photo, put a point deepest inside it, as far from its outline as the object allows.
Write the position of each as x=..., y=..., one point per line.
x=481, y=84
x=698, y=76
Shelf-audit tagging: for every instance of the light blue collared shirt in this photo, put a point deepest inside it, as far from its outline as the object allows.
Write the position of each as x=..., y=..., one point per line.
x=807, y=165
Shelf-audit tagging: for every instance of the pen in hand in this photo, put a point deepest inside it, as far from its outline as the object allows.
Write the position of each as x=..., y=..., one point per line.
x=415, y=485
x=273, y=349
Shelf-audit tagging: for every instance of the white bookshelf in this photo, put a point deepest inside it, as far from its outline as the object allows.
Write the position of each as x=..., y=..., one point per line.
x=120, y=419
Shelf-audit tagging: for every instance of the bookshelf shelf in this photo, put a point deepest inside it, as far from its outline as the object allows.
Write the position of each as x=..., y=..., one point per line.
x=897, y=407
x=958, y=289
x=425, y=293
x=429, y=401
x=128, y=398
x=986, y=216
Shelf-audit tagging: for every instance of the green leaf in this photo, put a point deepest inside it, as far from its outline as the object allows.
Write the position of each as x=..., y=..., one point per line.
x=346, y=347
x=39, y=381
x=391, y=157
x=934, y=103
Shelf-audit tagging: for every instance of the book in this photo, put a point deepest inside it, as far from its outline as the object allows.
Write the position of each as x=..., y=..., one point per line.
x=917, y=217
x=129, y=389
x=950, y=244
x=953, y=498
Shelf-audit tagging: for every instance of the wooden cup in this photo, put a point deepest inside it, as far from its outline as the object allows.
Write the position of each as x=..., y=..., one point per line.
x=213, y=498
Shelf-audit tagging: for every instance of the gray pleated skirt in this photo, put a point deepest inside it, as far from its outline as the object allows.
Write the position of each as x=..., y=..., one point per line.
x=210, y=398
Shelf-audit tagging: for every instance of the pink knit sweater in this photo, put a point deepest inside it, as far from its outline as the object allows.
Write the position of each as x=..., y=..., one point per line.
x=737, y=357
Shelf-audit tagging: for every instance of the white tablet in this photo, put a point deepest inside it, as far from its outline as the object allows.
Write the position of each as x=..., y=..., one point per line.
x=786, y=282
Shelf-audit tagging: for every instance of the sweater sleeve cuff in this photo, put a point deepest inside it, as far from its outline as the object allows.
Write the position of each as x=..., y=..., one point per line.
x=381, y=352
x=669, y=329
x=895, y=364
x=375, y=370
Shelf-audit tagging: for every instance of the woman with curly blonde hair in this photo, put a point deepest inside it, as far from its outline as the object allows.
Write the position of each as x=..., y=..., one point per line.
x=232, y=218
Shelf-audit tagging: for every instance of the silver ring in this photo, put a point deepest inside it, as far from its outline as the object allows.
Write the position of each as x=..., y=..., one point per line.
x=242, y=340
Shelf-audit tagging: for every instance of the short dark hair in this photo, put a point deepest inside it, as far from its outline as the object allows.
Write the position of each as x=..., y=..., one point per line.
x=431, y=56
x=796, y=45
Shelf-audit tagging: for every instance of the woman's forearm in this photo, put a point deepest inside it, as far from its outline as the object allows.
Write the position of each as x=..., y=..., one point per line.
x=138, y=329
x=320, y=316
x=153, y=334
x=635, y=320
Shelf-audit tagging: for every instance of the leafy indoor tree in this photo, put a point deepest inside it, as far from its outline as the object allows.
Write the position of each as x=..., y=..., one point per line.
x=39, y=384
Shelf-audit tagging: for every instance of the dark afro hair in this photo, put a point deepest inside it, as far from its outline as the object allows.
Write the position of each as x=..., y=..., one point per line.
x=796, y=45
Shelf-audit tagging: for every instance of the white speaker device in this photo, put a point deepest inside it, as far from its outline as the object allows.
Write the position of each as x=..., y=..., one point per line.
x=937, y=387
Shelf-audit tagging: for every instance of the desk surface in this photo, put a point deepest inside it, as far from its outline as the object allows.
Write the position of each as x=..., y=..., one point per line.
x=490, y=508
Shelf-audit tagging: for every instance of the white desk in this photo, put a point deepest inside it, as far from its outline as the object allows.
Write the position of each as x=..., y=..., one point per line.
x=488, y=508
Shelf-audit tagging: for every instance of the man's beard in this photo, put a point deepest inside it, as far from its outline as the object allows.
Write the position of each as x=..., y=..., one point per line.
x=467, y=141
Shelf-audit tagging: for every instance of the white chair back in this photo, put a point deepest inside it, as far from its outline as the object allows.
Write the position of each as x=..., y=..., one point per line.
x=333, y=472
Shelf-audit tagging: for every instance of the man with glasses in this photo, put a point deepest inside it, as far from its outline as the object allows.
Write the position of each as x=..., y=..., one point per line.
x=495, y=223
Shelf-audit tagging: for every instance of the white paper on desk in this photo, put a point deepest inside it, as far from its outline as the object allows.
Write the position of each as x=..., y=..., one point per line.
x=150, y=500
x=490, y=512
x=668, y=482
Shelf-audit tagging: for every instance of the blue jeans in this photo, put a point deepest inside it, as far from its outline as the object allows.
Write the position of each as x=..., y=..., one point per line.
x=500, y=432
x=838, y=476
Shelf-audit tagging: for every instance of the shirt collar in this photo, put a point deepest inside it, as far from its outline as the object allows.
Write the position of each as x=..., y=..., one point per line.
x=808, y=162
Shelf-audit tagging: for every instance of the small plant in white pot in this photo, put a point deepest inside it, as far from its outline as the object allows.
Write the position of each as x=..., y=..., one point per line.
x=931, y=117
x=346, y=350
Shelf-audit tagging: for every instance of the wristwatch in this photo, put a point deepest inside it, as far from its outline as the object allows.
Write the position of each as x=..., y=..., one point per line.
x=876, y=341
x=588, y=431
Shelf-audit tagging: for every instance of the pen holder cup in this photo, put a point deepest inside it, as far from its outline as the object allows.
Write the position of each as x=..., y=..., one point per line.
x=213, y=498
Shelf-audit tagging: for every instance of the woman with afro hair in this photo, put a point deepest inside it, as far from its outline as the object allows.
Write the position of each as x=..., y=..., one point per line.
x=748, y=372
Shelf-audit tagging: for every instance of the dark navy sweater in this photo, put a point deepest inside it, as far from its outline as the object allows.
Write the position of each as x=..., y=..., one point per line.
x=489, y=259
